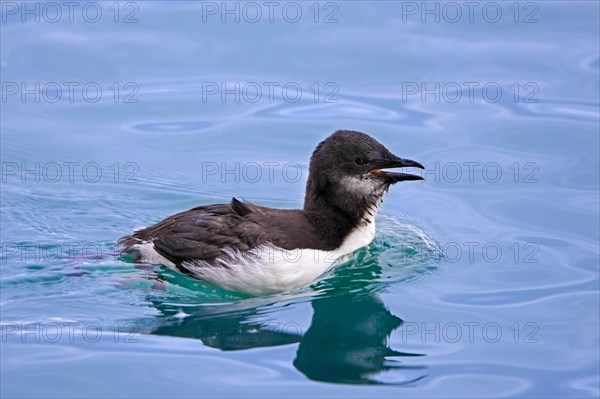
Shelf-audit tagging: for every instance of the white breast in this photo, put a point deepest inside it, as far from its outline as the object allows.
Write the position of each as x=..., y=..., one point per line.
x=267, y=269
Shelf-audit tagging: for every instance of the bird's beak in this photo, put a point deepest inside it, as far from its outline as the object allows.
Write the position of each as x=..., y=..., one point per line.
x=395, y=162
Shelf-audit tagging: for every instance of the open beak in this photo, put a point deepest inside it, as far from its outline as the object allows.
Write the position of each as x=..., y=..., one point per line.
x=395, y=162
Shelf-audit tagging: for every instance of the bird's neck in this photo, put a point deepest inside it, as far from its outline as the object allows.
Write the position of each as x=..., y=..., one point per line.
x=335, y=220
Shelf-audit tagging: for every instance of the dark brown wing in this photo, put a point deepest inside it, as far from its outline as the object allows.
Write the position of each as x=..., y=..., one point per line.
x=201, y=232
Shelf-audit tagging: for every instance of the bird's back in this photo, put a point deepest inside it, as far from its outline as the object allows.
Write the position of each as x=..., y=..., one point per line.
x=204, y=232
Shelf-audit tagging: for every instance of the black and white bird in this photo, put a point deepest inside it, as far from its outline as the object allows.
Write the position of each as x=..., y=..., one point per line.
x=258, y=250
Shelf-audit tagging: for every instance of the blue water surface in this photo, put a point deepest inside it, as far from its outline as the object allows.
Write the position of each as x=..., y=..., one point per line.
x=482, y=280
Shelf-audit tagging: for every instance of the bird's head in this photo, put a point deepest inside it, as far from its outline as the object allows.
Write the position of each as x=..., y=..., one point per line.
x=348, y=171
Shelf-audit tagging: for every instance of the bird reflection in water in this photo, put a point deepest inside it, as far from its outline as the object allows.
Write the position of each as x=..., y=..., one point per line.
x=346, y=342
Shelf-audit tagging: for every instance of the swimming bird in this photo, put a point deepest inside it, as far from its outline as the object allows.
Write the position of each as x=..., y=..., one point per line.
x=258, y=250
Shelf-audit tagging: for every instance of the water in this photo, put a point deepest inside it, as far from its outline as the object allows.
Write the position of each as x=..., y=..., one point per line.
x=481, y=282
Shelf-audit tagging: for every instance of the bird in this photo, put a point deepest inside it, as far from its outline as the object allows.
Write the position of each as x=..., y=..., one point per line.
x=257, y=250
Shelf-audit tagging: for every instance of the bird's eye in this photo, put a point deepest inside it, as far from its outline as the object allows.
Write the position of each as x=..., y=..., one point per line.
x=360, y=161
